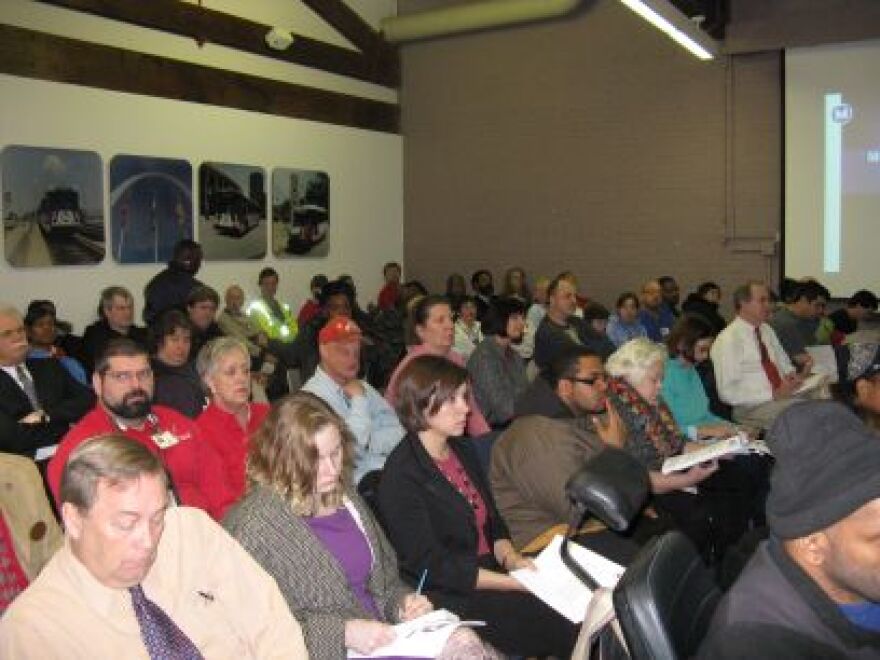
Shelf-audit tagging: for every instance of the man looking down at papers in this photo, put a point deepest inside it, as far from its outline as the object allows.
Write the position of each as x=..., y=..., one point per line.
x=812, y=589
x=138, y=578
x=752, y=370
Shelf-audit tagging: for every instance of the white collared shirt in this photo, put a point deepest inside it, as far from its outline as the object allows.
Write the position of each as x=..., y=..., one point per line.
x=739, y=374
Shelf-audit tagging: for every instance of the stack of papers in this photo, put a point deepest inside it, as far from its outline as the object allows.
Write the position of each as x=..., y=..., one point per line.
x=423, y=637
x=561, y=589
x=737, y=444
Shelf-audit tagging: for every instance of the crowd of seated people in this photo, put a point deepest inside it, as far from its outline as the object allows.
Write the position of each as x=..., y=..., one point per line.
x=411, y=465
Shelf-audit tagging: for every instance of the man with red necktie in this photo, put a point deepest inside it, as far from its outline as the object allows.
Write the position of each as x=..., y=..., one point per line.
x=752, y=370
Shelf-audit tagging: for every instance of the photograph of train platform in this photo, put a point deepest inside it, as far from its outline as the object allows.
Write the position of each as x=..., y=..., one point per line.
x=52, y=207
x=151, y=207
x=300, y=213
x=232, y=211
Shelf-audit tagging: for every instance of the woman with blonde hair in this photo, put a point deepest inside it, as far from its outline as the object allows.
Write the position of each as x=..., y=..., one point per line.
x=304, y=524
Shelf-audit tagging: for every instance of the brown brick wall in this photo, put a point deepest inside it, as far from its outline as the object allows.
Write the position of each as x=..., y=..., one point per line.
x=593, y=144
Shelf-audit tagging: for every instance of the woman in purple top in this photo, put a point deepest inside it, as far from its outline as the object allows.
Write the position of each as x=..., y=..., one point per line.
x=318, y=540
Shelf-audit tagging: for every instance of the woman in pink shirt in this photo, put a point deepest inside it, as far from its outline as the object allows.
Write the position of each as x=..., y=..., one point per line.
x=432, y=332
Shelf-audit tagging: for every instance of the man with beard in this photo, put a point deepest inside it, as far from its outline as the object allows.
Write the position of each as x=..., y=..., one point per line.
x=812, y=590
x=537, y=454
x=123, y=381
x=498, y=373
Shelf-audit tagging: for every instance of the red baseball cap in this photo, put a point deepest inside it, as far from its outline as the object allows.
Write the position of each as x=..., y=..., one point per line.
x=339, y=329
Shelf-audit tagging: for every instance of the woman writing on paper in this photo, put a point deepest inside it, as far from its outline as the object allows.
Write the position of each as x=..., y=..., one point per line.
x=305, y=525
x=440, y=515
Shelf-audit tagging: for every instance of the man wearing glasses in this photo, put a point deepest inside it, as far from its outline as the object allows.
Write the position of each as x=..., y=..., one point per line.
x=536, y=455
x=123, y=382
x=39, y=400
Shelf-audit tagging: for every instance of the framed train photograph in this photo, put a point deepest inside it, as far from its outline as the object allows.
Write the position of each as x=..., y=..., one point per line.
x=300, y=213
x=232, y=211
x=52, y=204
x=151, y=207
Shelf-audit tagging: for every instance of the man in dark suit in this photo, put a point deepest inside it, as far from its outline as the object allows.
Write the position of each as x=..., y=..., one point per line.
x=39, y=399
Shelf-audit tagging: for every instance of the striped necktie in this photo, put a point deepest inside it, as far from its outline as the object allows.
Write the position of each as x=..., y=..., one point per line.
x=27, y=384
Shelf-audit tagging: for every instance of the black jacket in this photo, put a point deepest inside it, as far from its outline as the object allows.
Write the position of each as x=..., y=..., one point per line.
x=62, y=398
x=709, y=311
x=775, y=610
x=169, y=289
x=431, y=525
x=179, y=388
x=99, y=333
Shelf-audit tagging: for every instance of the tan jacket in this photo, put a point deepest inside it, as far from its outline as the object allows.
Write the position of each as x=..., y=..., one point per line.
x=26, y=510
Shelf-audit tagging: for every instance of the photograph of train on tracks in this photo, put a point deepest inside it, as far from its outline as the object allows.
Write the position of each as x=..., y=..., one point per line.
x=232, y=211
x=52, y=205
x=151, y=207
x=300, y=213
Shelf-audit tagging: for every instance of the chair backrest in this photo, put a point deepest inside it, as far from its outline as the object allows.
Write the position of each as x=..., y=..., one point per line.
x=665, y=600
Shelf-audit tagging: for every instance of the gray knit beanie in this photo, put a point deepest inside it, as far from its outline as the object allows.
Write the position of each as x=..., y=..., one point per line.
x=827, y=466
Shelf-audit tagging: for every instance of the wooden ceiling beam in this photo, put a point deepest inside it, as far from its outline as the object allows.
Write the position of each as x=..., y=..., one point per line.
x=34, y=54
x=206, y=25
x=349, y=24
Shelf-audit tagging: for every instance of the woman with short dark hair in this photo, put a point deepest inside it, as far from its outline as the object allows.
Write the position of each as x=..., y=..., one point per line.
x=442, y=519
x=177, y=385
x=688, y=344
x=498, y=373
x=624, y=324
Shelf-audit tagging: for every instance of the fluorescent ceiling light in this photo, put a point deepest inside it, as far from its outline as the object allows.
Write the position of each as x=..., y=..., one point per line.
x=664, y=16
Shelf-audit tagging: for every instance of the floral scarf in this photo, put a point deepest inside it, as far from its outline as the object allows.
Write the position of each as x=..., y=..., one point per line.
x=660, y=427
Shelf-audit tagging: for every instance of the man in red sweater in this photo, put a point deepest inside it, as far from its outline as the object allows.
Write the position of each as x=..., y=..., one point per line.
x=123, y=382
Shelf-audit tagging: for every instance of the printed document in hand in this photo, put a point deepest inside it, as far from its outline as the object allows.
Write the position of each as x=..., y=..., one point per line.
x=423, y=637
x=561, y=589
x=811, y=382
x=736, y=444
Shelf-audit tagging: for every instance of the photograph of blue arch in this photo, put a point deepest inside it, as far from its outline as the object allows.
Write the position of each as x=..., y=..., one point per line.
x=52, y=206
x=151, y=207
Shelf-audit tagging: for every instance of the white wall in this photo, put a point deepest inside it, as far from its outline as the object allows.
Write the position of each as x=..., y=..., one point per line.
x=365, y=170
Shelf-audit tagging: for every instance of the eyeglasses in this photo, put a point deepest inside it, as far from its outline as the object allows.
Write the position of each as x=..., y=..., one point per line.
x=127, y=377
x=591, y=380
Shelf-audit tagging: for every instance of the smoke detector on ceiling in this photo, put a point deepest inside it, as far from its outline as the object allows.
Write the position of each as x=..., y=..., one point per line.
x=279, y=38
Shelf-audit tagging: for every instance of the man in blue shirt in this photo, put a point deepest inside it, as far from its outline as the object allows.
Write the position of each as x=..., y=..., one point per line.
x=368, y=415
x=654, y=314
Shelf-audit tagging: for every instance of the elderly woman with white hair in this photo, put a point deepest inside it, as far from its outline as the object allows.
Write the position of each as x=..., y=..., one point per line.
x=636, y=371
x=224, y=365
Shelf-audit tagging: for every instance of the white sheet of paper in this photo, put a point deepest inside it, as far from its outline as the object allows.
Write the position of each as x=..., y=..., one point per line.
x=824, y=361
x=733, y=445
x=811, y=382
x=423, y=637
x=561, y=589
x=45, y=453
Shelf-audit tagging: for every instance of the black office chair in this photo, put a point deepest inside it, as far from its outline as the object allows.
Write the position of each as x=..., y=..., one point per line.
x=665, y=600
x=612, y=486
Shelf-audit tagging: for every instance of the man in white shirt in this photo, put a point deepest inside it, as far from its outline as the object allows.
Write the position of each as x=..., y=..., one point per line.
x=138, y=578
x=370, y=418
x=752, y=370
